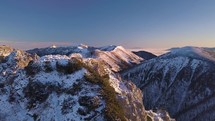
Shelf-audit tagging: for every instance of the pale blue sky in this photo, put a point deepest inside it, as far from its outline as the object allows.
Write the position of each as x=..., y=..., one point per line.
x=131, y=23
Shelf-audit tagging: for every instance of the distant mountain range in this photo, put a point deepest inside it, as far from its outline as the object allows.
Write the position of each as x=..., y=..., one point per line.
x=144, y=54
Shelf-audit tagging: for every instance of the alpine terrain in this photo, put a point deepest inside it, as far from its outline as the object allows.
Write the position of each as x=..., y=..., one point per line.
x=70, y=84
x=181, y=82
x=116, y=57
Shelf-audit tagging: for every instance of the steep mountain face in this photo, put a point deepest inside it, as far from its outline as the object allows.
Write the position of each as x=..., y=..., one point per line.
x=144, y=54
x=60, y=87
x=4, y=51
x=181, y=82
x=116, y=57
x=12, y=60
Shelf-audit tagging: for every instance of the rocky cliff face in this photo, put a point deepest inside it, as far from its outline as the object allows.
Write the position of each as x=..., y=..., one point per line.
x=5, y=50
x=181, y=82
x=60, y=87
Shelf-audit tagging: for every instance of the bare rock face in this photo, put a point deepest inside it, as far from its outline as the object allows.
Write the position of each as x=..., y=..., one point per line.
x=5, y=50
x=131, y=102
x=159, y=115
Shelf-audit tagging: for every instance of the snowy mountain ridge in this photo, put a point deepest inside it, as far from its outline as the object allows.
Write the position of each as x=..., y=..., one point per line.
x=181, y=82
x=194, y=52
x=116, y=57
x=61, y=87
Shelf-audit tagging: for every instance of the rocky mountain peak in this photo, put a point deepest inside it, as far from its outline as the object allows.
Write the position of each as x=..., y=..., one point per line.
x=5, y=50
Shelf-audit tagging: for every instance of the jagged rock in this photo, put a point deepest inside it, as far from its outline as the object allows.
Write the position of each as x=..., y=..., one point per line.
x=131, y=101
x=5, y=50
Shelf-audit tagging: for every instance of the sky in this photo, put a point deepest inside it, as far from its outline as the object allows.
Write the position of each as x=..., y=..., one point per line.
x=130, y=23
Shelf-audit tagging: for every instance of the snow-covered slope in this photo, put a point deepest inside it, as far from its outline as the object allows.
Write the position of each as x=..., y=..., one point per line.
x=116, y=57
x=39, y=92
x=194, y=52
x=61, y=88
x=181, y=82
